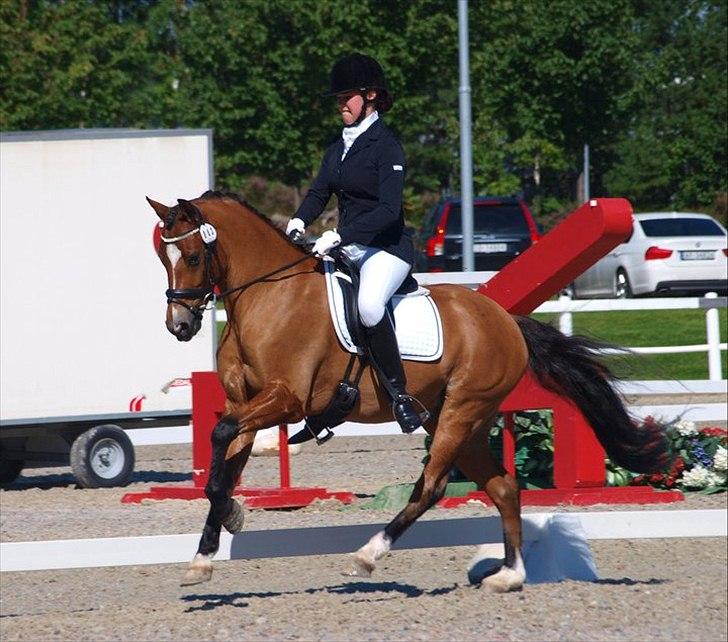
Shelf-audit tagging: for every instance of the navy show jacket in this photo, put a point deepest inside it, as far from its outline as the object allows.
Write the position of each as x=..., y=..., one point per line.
x=368, y=184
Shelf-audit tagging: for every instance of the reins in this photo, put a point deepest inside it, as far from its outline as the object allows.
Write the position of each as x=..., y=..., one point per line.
x=263, y=277
x=207, y=293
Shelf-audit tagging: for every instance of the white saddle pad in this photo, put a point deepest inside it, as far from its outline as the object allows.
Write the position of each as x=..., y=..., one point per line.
x=416, y=317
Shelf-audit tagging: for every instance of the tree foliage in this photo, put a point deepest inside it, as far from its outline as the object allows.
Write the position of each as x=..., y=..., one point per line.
x=643, y=82
x=672, y=153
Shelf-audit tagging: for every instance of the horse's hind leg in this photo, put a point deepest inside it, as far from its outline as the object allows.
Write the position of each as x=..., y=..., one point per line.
x=451, y=432
x=478, y=464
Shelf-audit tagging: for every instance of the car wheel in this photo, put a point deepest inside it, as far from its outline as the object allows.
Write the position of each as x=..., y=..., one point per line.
x=102, y=457
x=570, y=291
x=622, y=287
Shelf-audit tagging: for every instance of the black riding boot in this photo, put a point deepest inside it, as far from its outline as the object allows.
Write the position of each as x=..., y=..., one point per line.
x=384, y=353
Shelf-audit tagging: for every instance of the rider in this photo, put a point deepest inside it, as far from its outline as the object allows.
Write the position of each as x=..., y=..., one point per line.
x=365, y=168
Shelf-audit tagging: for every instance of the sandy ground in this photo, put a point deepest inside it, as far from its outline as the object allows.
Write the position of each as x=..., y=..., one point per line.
x=656, y=589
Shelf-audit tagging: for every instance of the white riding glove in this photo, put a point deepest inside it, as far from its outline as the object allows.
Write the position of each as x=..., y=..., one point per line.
x=326, y=242
x=295, y=224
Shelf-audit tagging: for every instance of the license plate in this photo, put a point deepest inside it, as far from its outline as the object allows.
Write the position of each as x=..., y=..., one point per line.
x=695, y=255
x=490, y=247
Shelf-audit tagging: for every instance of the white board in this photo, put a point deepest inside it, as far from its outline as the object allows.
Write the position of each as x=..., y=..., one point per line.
x=82, y=290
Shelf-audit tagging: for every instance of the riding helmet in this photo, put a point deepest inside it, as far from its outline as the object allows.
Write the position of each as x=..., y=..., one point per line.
x=357, y=72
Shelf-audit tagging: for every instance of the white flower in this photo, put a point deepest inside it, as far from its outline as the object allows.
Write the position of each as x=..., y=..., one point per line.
x=720, y=461
x=716, y=479
x=696, y=477
x=686, y=428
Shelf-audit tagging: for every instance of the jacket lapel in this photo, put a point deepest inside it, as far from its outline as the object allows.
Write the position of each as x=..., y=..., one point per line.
x=364, y=140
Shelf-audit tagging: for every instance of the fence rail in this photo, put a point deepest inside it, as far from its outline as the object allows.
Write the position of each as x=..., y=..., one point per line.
x=565, y=307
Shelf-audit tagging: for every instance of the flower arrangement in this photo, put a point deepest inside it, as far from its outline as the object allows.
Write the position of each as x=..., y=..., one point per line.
x=701, y=455
x=700, y=463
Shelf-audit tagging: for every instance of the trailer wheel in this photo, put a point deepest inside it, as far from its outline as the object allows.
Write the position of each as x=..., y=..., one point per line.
x=9, y=470
x=102, y=457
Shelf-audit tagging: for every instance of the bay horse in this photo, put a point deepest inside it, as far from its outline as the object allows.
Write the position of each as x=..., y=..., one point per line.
x=279, y=361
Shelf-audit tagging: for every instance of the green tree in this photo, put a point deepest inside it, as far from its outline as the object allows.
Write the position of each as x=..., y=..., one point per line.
x=546, y=78
x=673, y=154
x=74, y=64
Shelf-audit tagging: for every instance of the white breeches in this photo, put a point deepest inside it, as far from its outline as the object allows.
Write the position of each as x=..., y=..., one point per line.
x=380, y=275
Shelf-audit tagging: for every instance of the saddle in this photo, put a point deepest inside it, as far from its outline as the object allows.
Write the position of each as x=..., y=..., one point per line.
x=417, y=325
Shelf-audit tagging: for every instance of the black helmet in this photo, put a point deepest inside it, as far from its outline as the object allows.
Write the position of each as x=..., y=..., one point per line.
x=357, y=72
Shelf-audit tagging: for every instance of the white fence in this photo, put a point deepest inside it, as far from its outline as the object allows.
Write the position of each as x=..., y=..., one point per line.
x=565, y=307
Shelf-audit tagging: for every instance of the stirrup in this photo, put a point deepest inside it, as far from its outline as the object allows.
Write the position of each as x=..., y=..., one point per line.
x=423, y=414
x=328, y=434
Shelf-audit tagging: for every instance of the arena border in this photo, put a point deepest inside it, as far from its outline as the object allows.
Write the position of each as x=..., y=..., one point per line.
x=327, y=540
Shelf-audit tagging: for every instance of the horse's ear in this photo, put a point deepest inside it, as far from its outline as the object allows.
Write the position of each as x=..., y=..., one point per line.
x=161, y=210
x=189, y=209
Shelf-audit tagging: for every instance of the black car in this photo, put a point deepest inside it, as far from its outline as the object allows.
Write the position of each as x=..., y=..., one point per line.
x=503, y=228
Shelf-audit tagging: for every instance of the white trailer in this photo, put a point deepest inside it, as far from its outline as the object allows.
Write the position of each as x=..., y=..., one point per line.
x=82, y=293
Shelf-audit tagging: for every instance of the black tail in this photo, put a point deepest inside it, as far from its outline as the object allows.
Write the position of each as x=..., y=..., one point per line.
x=568, y=366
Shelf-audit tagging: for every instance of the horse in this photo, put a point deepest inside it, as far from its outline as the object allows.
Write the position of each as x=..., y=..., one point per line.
x=279, y=361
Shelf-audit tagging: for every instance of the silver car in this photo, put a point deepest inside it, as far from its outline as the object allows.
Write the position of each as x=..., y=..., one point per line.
x=666, y=252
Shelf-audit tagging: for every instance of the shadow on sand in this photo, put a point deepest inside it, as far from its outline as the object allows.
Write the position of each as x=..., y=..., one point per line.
x=382, y=591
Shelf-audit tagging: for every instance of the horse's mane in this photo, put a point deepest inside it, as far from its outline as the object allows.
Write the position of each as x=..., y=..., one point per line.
x=217, y=195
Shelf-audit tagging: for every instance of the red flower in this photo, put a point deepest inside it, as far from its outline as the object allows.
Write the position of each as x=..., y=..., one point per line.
x=649, y=422
x=713, y=431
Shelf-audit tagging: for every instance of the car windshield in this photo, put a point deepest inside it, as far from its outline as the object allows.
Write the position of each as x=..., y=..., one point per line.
x=680, y=227
x=490, y=219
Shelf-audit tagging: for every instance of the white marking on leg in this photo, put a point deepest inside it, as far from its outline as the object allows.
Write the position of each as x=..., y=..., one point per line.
x=199, y=570
x=174, y=255
x=376, y=548
x=363, y=560
x=519, y=567
x=508, y=578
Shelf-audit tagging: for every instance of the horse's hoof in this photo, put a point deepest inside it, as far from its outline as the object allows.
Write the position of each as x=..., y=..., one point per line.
x=199, y=570
x=359, y=568
x=233, y=523
x=196, y=575
x=504, y=581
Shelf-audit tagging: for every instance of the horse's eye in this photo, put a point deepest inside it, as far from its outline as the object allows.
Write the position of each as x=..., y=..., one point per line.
x=193, y=260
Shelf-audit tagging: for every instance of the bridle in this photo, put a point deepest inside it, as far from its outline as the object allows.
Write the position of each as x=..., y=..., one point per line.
x=206, y=292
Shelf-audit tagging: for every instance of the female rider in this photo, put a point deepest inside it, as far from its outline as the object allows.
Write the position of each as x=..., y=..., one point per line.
x=366, y=169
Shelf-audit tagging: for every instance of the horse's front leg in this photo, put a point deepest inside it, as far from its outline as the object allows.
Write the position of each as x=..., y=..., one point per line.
x=232, y=442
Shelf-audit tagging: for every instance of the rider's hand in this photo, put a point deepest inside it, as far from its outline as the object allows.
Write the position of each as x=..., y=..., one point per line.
x=295, y=225
x=327, y=242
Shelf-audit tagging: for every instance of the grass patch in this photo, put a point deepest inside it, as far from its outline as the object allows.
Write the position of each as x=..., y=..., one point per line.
x=640, y=328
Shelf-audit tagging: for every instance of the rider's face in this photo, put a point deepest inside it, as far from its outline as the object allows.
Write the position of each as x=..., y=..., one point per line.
x=350, y=104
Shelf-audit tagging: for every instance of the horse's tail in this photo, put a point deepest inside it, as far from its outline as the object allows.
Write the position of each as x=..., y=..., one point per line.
x=568, y=366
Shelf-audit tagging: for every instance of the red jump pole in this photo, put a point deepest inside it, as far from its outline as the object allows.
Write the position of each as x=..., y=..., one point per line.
x=509, y=444
x=284, y=461
x=208, y=405
x=520, y=287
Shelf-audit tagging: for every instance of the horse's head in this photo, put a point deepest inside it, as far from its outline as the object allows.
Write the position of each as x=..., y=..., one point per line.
x=186, y=249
